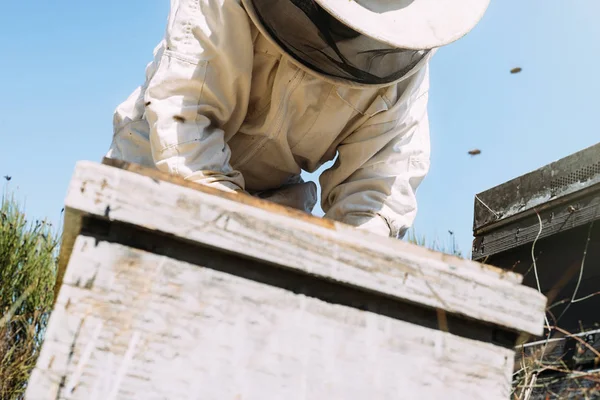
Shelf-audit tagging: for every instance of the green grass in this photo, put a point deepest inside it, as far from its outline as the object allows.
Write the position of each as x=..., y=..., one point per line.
x=444, y=246
x=28, y=251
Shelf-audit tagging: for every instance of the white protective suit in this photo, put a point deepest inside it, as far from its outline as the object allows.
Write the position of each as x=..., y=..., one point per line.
x=223, y=106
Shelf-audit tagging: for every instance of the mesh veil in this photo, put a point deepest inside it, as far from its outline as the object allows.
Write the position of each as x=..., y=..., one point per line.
x=316, y=39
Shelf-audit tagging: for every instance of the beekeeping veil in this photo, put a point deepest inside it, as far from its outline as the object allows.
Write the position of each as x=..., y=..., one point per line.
x=364, y=41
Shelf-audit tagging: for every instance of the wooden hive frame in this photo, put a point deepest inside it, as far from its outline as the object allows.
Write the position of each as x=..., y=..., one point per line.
x=169, y=289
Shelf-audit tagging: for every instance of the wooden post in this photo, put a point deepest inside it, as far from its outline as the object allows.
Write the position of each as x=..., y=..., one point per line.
x=171, y=290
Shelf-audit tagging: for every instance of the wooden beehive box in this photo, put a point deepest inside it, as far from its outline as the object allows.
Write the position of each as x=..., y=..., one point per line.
x=552, y=215
x=559, y=204
x=171, y=290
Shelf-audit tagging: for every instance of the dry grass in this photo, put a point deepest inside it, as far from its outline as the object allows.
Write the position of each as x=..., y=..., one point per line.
x=27, y=275
x=544, y=373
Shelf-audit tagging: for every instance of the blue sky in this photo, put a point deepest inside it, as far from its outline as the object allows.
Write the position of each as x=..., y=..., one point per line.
x=67, y=64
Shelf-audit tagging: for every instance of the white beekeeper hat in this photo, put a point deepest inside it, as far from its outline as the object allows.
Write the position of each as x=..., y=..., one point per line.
x=409, y=24
x=364, y=41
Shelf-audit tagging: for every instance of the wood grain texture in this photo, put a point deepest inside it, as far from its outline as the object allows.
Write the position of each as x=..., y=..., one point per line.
x=237, y=197
x=556, y=217
x=72, y=227
x=273, y=208
x=339, y=253
x=294, y=281
x=129, y=324
x=552, y=185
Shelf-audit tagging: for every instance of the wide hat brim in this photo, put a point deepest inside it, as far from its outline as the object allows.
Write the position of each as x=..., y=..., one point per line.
x=409, y=24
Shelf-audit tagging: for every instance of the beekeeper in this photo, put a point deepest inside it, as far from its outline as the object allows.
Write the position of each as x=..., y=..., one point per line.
x=243, y=95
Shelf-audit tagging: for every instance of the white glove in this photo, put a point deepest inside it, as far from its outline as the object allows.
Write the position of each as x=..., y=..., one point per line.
x=301, y=196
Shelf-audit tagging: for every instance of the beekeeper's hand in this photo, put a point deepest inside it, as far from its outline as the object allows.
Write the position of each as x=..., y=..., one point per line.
x=301, y=196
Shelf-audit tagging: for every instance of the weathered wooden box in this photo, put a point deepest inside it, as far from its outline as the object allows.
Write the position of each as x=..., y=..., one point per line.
x=171, y=290
x=545, y=225
x=553, y=213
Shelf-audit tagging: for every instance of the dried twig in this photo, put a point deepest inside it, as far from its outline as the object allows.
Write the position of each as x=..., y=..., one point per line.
x=577, y=338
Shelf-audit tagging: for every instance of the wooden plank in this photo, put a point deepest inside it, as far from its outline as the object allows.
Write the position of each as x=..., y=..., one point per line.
x=240, y=198
x=72, y=217
x=553, y=185
x=132, y=324
x=555, y=218
x=292, y=213
x=567, y=264
x=558, y=208
x=293, y=281
x=336, y=252
x=71, y=228
x=286, y=211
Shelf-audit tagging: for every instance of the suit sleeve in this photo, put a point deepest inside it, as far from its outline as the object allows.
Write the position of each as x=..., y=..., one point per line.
x=199, y=89
x=379, y=167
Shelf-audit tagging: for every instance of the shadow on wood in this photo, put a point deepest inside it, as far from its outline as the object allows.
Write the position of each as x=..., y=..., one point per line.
x=175, y=290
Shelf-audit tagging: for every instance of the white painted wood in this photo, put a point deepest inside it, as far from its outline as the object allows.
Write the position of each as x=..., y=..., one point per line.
x=196, y=333
x=335, y=251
